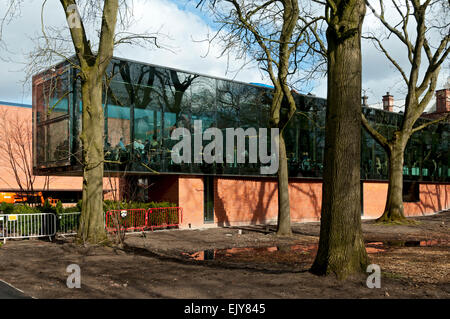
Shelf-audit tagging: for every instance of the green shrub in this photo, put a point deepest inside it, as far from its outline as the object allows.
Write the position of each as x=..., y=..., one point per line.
x=25, y=209
x=73, y=209
x=6, y=208
x=59, y=208
x=47, y=208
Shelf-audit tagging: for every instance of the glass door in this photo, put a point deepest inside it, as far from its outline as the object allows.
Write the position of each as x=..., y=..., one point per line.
x=208, y=197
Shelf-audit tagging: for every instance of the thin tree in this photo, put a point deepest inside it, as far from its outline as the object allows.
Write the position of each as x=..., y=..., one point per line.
x=341, y=245
x=91, y=61
x=420, y=84
x=271, y=33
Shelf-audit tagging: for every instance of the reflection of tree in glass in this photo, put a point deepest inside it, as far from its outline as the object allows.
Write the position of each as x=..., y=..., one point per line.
x=238, y=103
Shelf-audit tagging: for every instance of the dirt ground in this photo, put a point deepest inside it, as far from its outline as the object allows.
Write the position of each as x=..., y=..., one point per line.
x=414, y=261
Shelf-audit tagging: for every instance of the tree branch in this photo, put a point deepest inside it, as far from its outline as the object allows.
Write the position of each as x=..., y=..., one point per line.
x=374, y=133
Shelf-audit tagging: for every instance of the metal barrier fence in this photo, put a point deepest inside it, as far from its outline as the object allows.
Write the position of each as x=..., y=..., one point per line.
x=48, y=225
x=27, y=225
x=164, y=217
x=68, y=223
x=141, y=219
x=127, y=219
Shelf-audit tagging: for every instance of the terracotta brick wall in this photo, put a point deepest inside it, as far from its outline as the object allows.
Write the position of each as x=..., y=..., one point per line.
x=374, y=195
x=306, y=200
x=8, y=181
x=244, y=201
x=252, y=201
x=57, y=183
x=433, y=198
x=190, y=198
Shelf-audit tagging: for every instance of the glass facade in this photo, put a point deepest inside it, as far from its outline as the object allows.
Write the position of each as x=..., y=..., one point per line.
x=52, y=102
x=144, y=103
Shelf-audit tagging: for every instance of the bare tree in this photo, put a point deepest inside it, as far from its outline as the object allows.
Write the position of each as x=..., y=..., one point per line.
x=94, y=29
x=341, y=245
x=12, y=9
x=271, y=33
x=431, y=21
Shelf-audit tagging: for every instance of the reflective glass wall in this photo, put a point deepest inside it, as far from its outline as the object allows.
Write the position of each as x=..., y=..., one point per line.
x=144, y=103
x=52, y=104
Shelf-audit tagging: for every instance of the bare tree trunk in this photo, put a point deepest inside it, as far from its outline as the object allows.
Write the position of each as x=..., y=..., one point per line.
x=91, y=225
x=284, y=211
x=421, y=84
x=393, y=210
x=92, y=71
x=341, y=245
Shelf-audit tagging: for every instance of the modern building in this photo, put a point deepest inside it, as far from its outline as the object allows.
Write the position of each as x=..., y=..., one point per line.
x=144, y=104
x=16, y=167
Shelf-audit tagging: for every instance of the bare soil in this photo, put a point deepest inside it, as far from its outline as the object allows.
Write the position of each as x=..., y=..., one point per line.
x=169, y=264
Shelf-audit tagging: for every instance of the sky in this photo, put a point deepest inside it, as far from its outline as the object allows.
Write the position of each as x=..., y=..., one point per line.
x=181, y=27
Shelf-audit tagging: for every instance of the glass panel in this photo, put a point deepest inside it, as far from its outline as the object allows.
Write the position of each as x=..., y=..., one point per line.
x=40, y=145
x=145, y=103
x=54, y=143
x=52, y=94
x=208, y=195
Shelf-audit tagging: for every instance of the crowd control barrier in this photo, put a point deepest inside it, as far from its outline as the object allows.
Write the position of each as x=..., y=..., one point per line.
x=141, y=219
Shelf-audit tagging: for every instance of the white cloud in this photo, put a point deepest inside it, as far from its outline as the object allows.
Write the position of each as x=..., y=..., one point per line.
x=182, y=26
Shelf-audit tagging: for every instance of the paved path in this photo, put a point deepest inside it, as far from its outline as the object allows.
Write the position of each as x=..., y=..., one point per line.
x=9, y=292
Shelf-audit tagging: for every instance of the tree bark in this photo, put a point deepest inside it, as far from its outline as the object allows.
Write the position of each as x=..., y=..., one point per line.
x=92, y=228
x=92, y=70
x=393, y=210
x=284, y=211
x=341, y=245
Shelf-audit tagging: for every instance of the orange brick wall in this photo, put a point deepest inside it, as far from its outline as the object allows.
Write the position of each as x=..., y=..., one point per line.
x=8, y=181
x=244, y=201
x=433, y=198
x=252, y=201
x=190, y=198
x=374, y=196
x=56, y=183
x=306, y=200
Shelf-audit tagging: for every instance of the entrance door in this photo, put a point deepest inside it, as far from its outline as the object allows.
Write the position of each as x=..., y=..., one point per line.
x=208, y=199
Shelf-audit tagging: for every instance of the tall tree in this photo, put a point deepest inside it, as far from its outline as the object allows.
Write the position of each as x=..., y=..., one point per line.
x=271, y=33
x=341, y=245
x=93, y=36
x=92, y=67
x=420, y=89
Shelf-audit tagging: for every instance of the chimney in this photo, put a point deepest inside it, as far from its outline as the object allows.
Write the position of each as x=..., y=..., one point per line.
x=364, y=101
x=443, y=100
x=388, y=102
